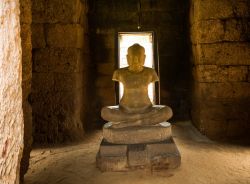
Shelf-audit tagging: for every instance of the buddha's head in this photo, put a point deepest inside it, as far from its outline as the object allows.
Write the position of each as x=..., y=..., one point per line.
x=136, y=57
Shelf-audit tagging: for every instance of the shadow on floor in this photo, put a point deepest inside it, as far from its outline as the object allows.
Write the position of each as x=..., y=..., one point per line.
x=203, y=161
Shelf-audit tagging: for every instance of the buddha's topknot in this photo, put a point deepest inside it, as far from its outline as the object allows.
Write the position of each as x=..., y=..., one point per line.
x=136, y=49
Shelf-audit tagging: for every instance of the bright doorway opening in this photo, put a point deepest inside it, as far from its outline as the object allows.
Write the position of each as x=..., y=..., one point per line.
x=145, y=39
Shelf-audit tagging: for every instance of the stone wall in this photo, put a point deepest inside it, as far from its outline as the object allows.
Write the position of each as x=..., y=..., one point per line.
x=60, y=57
x=25, y=19
x=11, y=113
x=220, y=35
x=168, y=20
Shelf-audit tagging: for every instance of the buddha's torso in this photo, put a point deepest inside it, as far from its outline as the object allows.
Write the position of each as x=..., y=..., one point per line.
x=135, y=97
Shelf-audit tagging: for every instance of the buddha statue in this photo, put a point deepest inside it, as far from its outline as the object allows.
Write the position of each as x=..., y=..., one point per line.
x=135, y=107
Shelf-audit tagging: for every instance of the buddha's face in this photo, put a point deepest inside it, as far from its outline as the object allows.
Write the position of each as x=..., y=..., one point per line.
x=136, y=58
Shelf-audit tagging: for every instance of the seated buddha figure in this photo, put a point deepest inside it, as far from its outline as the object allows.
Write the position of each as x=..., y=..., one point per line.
x=135, y=107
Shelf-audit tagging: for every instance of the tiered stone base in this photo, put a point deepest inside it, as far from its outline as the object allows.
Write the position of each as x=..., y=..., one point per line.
x=136, y=135
x=155, y=156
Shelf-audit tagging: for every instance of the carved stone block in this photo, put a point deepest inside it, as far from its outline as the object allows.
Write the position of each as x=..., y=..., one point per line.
x=155, y=156
x=137, y=155
x=136, y=135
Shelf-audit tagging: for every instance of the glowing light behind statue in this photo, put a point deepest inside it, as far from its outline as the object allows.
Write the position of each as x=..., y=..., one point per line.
x=145, y=39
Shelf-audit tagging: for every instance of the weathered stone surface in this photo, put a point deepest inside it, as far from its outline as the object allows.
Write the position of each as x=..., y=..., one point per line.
x=161, y=18
x=25, y=19
x=64, y=11
x=155, y=156
x=135, y=135
x=57, y=116
x=229, y=90
x=173, y=33
x=55, y=11
x=61, y=128
x=214, y=129
x=165, y=162
x=223, y=109
x=105, y=31
x=215, y=73
x=248, y=73
x=41, y=60
x=103, y=6
x=26, y=87
x=106, y=96
x=212, y=115
x=209, y=73
x=38, y=11
x=25, y=12
x=68, y=81
x=105, y=56
x=58, y=128
x=116, y=18
x=38, y=36
x=237, y=74
x=160, y=148
x=170, y=5
x=208, y=31
x=104, y=81
x=164, y=155
x=105, y=40
x=103, y=91
x=60, y=60
x=84, y=21
x=42, y=82
x=221, y=57
x=11, y=113
x=112, y=163
x=235, y=30
x=56, y=34
x=67, y=60
x=137, y=155
x=85, y=47
x=223, y=54
x=210, y=9
x=107, y=149
x=26, y=51
x=236, y=128
x=105, y=68
x=217, y=30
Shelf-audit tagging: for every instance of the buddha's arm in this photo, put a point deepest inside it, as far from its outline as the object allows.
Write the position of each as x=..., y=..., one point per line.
x=116, y=76
x=154, y=78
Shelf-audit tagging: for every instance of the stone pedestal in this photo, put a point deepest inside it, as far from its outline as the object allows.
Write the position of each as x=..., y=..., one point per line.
x=136, y=135
x=129, y=152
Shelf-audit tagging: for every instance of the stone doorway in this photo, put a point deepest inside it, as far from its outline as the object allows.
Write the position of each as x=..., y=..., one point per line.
x=146, y=39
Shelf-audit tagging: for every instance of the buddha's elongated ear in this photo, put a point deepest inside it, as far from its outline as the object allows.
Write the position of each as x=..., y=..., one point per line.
x=142, y=59
x=128, y=59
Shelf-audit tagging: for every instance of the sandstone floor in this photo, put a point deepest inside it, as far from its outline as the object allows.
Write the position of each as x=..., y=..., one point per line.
x=203, y=162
